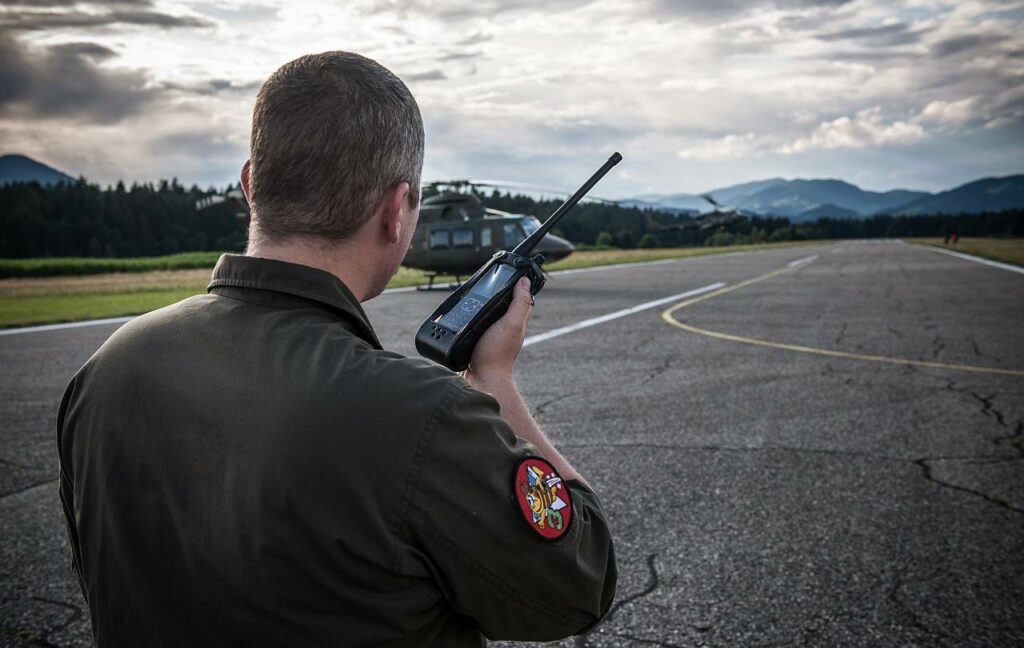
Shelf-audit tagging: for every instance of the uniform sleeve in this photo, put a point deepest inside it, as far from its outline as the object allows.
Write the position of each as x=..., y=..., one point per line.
x=490, y=564
x=66, y=486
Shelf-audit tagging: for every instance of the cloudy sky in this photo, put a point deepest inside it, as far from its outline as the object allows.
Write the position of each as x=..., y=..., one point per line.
x=919, y=94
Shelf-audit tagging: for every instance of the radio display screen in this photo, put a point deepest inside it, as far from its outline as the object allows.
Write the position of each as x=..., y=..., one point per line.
x=488, y=286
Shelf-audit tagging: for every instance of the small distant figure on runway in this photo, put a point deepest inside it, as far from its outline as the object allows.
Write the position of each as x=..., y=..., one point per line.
x=946, y=241
x=955, y=238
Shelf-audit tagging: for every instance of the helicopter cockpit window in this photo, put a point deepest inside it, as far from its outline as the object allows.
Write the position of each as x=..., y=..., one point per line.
x=514, y=235
x=530, y=224
x=462, y=237
x=439, y=239
x=485, y=236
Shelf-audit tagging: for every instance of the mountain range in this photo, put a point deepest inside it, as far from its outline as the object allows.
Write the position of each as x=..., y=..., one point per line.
x=807, y=200
x=18, y=168
x=799, y=200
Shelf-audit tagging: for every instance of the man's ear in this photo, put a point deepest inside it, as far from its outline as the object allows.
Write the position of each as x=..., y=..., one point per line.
x=245, y=180
x=392, y=211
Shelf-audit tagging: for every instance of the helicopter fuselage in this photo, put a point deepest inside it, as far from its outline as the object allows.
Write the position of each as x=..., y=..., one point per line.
x=456, y=235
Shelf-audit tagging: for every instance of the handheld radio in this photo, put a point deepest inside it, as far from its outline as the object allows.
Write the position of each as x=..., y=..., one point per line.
x=450, y=334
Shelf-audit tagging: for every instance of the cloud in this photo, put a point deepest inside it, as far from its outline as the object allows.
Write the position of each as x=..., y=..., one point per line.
x=429, y=75
x=68, y=3
x=694, y=94
x=733, y=145
x=67, y=81
x=965, y=43
x=460, y=10
x=950, y=112
x=475, y=38
x=866, y=128
x=22, y=20
x=214, y=87
x=892, y=35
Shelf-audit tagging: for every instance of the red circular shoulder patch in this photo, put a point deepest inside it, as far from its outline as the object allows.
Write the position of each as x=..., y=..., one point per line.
x=543, y=498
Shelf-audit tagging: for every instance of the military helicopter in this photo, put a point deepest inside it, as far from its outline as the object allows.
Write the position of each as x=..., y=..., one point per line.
x=719, y=217
x=234, y=197
x=456, y=234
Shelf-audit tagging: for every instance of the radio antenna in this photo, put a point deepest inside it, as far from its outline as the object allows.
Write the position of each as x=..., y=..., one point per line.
x=532, y=240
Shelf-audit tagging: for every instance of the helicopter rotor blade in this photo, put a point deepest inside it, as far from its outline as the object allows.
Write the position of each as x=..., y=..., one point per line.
x=513, y=184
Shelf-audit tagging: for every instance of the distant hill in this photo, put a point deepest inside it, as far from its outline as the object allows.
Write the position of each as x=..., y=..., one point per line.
x=795, y=197
x=734, y=193
x=826, y=211
x=807, y=200
x=987, y=194
x=18, y=168
x=798, y=200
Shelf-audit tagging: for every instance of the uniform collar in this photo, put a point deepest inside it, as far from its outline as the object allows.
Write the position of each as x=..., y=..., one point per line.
x=238, y=271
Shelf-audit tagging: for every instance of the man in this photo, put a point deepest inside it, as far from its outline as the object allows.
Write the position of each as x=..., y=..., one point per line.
x=249, y=467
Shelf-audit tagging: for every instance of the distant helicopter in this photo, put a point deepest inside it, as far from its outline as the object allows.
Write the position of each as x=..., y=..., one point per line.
x=456, y=234
x=713, y=219
x=234, y=197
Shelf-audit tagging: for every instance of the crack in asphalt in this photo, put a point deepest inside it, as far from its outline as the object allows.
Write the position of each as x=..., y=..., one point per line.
x=657, y=371
x=987, y=409
x=653, y=583
x=901, y=606
x=923, y=462
x=76, y=615
x=841, y=335
x=538, y=410
x=926, y=467
x=20, y=465
x=18, y=491
x=977, y=350
x=1016, y=440
x=938, y=345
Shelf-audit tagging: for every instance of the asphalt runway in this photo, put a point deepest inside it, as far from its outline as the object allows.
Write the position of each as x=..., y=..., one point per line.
x=763, y=490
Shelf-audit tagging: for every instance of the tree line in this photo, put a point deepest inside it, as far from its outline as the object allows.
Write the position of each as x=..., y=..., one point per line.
x=85, y=220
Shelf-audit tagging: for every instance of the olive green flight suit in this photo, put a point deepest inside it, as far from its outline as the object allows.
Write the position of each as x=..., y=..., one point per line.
x=250, y=468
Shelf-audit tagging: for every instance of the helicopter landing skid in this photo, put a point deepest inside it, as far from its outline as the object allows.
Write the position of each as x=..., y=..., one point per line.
x=448, y=286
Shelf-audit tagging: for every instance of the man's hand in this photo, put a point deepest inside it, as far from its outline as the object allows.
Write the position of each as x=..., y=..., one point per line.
x=495, y=354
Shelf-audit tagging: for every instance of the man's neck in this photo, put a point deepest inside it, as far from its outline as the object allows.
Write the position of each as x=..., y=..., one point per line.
x=339, y=260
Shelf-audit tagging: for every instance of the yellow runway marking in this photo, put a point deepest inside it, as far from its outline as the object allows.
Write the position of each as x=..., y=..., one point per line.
x=667, y=315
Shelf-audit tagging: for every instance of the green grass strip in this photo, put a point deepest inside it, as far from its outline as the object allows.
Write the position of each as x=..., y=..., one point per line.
x=48, y=309
x=20, y=311
x=76, y=266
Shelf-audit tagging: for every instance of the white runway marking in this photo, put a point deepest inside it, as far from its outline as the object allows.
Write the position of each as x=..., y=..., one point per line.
x=66, y=325
x=540, y=337
x=968, y=257
x=802, y=261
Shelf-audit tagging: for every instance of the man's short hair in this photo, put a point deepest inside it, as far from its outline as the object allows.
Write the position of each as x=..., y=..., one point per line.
x=331, y=134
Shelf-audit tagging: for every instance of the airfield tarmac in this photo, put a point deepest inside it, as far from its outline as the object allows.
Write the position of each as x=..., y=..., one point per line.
x=831, y=454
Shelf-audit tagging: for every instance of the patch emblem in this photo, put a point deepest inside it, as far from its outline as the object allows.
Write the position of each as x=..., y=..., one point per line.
x=543, y=498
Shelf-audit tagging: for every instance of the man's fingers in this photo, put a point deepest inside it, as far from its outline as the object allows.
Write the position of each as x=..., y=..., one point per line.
x=522, y=302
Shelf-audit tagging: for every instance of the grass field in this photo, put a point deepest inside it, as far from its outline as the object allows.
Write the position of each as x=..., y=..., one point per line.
x=48, y=299
x=1007, y=250
x=69, y=266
